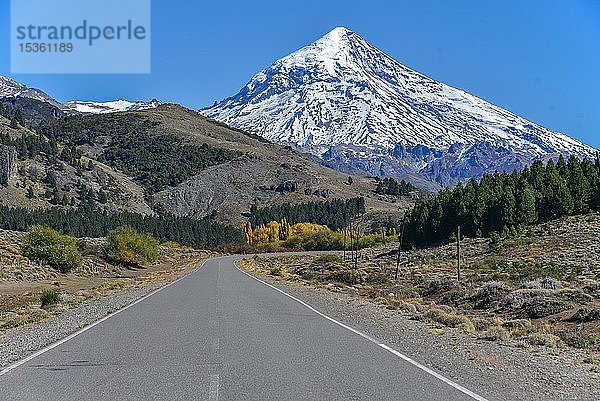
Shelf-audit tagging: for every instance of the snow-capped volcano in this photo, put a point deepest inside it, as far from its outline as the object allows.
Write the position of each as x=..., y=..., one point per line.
x=110, y=107
x=360, y=110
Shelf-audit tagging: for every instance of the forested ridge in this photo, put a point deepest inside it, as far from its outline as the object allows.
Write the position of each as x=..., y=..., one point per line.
x=335, y=213
x=90, y=222
x=154, y=159
x=501, y=202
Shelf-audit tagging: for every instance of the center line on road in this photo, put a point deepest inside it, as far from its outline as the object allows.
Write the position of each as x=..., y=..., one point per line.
x=433, y=373
x=213, y=389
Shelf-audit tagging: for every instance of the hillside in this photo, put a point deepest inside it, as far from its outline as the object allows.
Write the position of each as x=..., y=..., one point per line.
x=263, y=173
x=34, y=176
x=168, y=159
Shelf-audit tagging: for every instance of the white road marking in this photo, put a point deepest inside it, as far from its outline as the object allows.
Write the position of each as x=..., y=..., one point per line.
x=371, y=339
x=213, y=389
x=86, y=328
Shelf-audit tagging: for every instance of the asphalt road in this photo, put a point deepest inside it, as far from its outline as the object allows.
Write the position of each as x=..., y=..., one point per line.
x=219, y=334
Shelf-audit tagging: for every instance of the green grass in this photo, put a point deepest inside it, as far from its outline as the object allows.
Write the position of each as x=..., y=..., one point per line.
x=50, y=297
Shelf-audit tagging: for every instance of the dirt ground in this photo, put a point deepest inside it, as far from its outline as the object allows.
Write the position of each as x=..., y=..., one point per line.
x=22, y=281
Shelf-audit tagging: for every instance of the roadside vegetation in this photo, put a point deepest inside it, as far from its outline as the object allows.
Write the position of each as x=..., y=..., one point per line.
x=124, y=245
x=50, y=297
x=90, y=222
x=336, y=214
x=540, y=287
x=50, y=246
x=43, y=273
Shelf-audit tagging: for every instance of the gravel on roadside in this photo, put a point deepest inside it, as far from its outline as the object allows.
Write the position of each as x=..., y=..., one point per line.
x=19, y=342
x=493, y=370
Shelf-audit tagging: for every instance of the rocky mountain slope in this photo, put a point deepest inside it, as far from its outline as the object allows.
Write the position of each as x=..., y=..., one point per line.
x=30, y=185
x=262, y=172
x=359, y=110
x=12, y=89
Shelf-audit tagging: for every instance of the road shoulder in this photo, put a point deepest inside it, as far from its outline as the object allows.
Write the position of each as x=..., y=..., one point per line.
x=499, y=372
x=22, y=341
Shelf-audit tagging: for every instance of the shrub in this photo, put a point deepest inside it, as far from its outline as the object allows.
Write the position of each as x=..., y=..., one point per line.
x=495, y=242
x=378, y=278
x=327, y=260
x=490, y=293
x=275, y=271
x=585, y=315
x=50, y=297
x=59, y=251
x=348, y=277
x=542, y=306
x=369, y=241
x=318, y=239
x=450, y=320
x=546, y=339
x=518, y=327
x=496, y=333
x=126, y=246
x=547, y=283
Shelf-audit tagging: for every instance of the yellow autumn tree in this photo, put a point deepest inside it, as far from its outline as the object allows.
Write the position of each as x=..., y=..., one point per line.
x=247, y=228
x=272, y=228
x=260, y=235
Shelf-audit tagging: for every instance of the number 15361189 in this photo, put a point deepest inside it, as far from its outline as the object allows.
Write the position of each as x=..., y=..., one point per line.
x=46, y=47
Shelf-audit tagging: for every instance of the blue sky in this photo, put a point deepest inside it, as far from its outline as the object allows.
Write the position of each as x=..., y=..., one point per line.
x=539, y=59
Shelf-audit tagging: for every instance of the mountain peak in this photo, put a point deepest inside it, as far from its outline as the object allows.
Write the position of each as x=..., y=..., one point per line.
x=337, y=34
x=8, y=87
x=328, y=53
x=347, y=102
x=333, y=43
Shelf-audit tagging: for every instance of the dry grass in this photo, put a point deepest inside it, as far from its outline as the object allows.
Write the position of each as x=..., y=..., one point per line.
x=546, y=340
x=450, y=319
x=540, y=289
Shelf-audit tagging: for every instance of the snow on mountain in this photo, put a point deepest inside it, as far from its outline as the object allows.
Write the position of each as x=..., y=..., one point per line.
x=10, y=88
x=360, y=110
x=110, y=107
